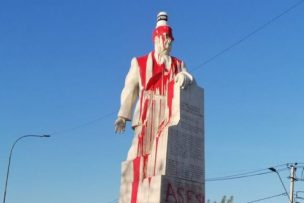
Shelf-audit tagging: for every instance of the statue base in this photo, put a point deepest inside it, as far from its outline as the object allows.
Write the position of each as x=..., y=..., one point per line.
x=174, y=171
x=161, y=188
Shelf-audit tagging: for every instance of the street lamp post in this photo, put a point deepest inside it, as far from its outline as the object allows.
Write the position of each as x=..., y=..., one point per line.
x=276, y=171
x=10, y=157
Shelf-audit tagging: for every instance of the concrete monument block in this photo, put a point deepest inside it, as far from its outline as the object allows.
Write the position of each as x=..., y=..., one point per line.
x=175, y=169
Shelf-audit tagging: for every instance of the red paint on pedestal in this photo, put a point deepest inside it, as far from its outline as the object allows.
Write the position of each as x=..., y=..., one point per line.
x=189, y=195
x=170, y=192
x=200, y=198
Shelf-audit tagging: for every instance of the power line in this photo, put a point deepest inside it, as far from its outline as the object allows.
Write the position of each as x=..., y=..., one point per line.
x=246, y=174
x=257, y=170
x=236, y=177
x=265, y=198
x=297, y=195
x=83, y=124
x=114, y=201
x=250, y=173
x=258, y=29
x=247, y=36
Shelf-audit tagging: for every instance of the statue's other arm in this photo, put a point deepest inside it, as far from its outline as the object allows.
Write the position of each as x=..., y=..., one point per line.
x=184, y=78
x=128, y=97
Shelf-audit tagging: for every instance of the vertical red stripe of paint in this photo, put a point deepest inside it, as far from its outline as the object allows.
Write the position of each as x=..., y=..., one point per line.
x=145, y=165
x=156, y=147
x=142, y=69
x=145, y=111
x=176, y=65
x=170, y=97
x=136, y=174
x=152, y=129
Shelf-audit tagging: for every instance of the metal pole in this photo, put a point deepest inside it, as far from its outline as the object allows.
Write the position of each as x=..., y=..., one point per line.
x=275, y=170
x=292, y=180
x=10, y=157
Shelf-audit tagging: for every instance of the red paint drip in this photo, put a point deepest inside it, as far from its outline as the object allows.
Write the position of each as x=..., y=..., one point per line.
x=145, y=111
x=176, y=65
x=135, y=183
x=152, y=117
x=161, y=30
x=146, y=158
x=156, y=146
x=155, y=79
x=142, y=69
x=200, y=198
x=161, y=82
x=170, y=97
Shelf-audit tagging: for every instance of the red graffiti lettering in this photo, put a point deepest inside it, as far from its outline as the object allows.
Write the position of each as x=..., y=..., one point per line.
x=180, y=192
x=189, y=195
x=170, y=192
x=199, y=198
x=182, y=195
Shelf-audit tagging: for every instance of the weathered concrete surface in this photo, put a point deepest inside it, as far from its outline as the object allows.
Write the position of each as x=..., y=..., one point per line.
x=174, y=171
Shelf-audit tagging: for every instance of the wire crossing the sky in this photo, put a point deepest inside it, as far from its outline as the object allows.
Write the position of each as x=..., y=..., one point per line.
x=248, y=174
x=258, y=29
x=113, y=201
x=265, y=198
x=91, y=122
x=278, y=168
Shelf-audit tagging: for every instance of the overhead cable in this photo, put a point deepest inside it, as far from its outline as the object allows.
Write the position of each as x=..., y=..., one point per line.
x=292, y=7
x=247, y=36
x=114, y=201
x=91, y=122
x=246, y=174
x=266, y=198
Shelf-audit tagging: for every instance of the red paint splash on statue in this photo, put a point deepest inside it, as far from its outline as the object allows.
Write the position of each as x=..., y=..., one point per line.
x=136, y=177
x=155, y=103
x=162, y=31
x=155, y=113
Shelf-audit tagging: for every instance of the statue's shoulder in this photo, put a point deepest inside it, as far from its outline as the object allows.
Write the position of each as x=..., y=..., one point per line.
x=142, y=60
x=177, y=61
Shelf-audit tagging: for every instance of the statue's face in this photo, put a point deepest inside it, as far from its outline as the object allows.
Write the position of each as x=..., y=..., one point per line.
x=163, y=44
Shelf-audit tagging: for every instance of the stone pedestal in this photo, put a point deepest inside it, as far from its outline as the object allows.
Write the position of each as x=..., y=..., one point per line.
x=175, y=170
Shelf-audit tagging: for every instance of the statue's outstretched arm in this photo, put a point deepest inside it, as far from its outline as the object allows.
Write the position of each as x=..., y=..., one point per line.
x=184, y=78
x=120, y=125
x=128, y=97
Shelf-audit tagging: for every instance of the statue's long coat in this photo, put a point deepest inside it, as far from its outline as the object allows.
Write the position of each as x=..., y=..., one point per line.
x=139, y=79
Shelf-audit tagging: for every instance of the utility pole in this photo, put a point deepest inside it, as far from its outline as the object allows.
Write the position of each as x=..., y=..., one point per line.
x=292, y=180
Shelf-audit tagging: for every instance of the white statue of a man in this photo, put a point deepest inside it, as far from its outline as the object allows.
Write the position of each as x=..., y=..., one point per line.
x=150, y=82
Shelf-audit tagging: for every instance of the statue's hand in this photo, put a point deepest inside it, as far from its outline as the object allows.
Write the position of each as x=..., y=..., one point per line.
x=184, y=79
x=120, y=125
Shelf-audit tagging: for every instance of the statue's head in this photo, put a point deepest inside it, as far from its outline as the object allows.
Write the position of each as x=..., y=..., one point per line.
x=162, y=35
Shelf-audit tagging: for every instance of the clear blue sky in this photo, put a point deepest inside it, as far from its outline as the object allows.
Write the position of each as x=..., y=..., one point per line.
x=63, y=63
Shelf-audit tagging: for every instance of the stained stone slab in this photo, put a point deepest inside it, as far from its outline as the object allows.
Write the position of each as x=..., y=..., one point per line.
x=166, y=189
x=180, y=190
x=185, y=150
x=175, y=168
